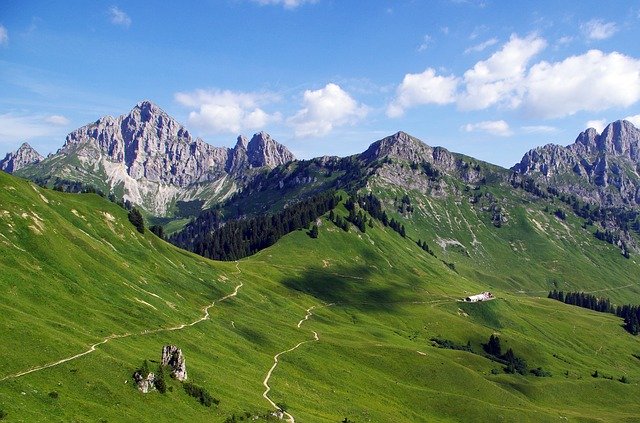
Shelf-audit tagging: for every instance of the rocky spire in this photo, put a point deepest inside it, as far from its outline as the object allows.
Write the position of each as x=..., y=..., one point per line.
x=262, y=150
x=25, y=155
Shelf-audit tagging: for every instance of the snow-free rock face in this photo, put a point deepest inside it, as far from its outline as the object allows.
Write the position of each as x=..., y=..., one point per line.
x=173, y=358
x=153, y=160
x=602, y=168
x=145, y=384
x=25, y=155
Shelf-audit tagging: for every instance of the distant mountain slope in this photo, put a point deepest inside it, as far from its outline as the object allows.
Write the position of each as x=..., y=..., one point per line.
x=25, y=155
x=148, y=158
x=599, y=168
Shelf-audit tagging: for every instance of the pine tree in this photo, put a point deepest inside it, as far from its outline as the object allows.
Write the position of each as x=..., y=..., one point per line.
x=313, y=233
x=135, y=217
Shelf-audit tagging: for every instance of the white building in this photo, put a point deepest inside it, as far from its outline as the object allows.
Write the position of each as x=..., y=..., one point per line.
x=485, y=296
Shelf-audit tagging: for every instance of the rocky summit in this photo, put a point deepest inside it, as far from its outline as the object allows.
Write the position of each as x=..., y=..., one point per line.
x=23, y=156
x=598, y=168
x=148, y=158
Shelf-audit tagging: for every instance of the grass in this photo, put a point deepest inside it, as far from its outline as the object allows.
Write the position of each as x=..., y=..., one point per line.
x=86, y=275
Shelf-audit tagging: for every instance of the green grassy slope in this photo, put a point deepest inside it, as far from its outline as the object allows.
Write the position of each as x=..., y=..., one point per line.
x=75, y=272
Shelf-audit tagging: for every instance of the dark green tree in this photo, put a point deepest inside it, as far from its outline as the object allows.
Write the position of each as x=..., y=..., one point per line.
x=135, y=217
x=313, y=233
x=493, y=346
x=158, y=230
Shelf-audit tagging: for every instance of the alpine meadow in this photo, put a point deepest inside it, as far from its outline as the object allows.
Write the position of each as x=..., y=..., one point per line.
x=329, y=267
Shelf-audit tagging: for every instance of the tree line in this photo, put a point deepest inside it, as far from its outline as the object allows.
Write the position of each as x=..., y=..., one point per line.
x=628, y=312
x=210, y=236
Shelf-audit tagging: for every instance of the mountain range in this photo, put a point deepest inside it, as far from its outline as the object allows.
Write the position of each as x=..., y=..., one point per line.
x=148, y=158
x=338, y=294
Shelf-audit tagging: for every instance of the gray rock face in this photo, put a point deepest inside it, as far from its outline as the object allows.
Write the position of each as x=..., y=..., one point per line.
x=173, y=358
x=25, y=155
x=602, y=168
x=145, y=384
x=155, y=160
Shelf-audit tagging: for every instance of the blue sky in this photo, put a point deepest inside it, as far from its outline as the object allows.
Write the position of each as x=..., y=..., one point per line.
x=486, y=78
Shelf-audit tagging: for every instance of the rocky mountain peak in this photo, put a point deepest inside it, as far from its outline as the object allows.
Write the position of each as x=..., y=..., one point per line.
x=262, y=150
x=399, y=145
x=25, y=155
x=596, y=167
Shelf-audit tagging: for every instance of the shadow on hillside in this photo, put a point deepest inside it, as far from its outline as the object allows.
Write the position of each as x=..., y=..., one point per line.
x=353, y=286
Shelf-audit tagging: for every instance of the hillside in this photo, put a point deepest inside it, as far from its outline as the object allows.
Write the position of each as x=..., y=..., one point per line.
x=361, y=308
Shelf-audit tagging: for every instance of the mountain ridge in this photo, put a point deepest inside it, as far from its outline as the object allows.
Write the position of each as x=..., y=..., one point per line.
x=148, y=158
x=592, y=165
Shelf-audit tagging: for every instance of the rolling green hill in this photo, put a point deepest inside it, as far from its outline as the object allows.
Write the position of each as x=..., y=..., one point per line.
x=352, y=313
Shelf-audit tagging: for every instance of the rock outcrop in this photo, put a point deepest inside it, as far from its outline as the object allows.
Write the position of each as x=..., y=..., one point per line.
x=25, y=155
x=145, y=384
x=173, y=358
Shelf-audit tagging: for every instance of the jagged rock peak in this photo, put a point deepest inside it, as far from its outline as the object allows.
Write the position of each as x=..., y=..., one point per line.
x=25, y=155
x=241, y=142
x=263, y=150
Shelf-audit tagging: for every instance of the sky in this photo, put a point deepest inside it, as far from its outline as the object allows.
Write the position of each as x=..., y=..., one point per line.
x=490, y=79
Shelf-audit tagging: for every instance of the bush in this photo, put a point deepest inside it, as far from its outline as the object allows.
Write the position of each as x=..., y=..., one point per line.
x=53, y=394
x=540, y=372
x=624, y=379
x=3, y=414
x=200, y=394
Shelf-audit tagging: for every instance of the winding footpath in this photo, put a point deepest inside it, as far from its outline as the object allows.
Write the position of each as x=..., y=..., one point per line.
x=93, y=347
x=265, y=383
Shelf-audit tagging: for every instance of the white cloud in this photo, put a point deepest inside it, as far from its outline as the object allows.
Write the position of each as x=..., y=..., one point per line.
x=597, y=29
x=493, y=127
x=57, y=120
x=15, y=127
x=4, y=36
x=539, y=129
x=426, y=42
x=423, y=88
x=498, y=80
x=119, y=17
x=482, y=46
x=325, y=109
x=635, y=119
x=592, y=82
x=597, y=124
x=227, y=111
x=287, y=4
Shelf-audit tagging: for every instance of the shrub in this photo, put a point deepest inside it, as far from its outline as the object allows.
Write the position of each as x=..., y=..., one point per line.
x=540, y=372
x=200, y=393
x=53, y=394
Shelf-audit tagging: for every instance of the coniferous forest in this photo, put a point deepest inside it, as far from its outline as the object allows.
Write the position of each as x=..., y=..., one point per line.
x=211, y=236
